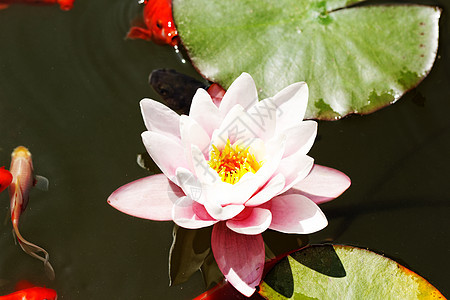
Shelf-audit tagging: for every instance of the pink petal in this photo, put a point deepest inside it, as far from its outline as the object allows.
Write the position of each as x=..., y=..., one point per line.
x=160, y=118
x=267, y=192
x=291, y=103
x=322, y=184
x=300, y=138
x=296, y=214
x=167, y=154
x=242, y=91
x=294, y=168
x=240, y=257
x=150, y=197
x=205, y=112
x=257, y=222
x=189, y=214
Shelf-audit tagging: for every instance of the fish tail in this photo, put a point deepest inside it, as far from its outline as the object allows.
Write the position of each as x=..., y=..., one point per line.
x=33, y=250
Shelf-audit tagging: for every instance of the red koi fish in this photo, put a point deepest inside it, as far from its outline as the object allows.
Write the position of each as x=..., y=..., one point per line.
x=63, y=4
x=32, y=293
x=159, y=26
x=5, y=179
x=23, y=180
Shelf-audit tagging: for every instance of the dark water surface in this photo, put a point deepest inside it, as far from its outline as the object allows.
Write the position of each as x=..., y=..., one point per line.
x=69, y=90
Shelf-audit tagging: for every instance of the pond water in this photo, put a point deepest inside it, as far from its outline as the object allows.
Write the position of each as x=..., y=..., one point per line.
x=70, y=85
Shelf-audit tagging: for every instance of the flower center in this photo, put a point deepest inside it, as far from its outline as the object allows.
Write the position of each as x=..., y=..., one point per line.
x=233, y=162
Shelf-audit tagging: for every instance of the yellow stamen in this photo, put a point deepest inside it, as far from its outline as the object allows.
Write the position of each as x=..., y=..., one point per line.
x=233, y=162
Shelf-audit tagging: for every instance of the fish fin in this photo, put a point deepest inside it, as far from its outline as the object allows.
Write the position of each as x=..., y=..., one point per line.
x=14, y=236
x=23, y=284
x=33, y=250
x=41, y=183
x=139, y=33
x=4, y=6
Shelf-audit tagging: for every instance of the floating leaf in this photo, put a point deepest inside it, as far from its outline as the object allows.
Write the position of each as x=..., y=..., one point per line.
x=343, y=272
x=355, y=60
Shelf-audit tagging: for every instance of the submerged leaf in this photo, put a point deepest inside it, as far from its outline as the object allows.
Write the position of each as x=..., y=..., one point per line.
x=355, y=60
x=210, y=271
x=343, y=272
x=187, y=253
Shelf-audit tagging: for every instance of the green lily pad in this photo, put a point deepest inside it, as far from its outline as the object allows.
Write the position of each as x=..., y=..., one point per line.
x=355, y=60
x=343, y=272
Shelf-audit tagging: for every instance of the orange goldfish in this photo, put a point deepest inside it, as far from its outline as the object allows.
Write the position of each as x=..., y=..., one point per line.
x=23, y=180
x=159, y=25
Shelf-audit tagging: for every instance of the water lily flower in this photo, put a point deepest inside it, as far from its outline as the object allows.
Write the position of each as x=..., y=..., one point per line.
x=241, y=166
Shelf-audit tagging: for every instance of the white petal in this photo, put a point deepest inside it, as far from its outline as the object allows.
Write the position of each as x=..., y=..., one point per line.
x=257, y=222
x=235, y=128
x=300, y=138
x=241, y=191
x=159, y=118
x=291, y=103
x=193, y=134
x=261, y=118
x=167, y=154
x=190, y=185
x=242, y=91
x=295, y=168
x=202, y=169
x=222, y=213
x=205, y=112
x=184, y=215
x=267, y=192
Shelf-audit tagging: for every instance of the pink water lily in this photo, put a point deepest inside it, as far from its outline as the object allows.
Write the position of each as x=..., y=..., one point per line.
x=241, y=166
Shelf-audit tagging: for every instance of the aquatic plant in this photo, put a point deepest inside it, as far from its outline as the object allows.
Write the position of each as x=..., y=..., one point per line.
x=241, y=166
